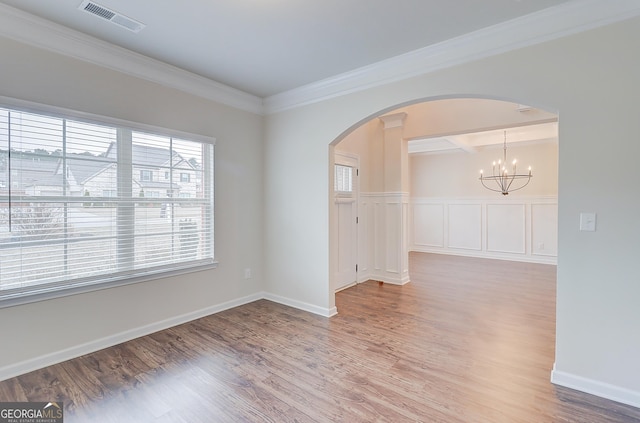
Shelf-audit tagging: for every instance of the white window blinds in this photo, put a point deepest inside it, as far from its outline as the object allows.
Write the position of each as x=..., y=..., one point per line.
x=343, y=178
x=84, y=203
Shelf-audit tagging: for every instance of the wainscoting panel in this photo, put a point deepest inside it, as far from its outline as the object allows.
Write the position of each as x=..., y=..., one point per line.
x=428, y=219
x=544, y=229
x=386, y=225
x=394, y=236
x=506, y=227
x=465, y=226
x=365, y=235
x=378, y=234
x=520, y=229
x=404, y=254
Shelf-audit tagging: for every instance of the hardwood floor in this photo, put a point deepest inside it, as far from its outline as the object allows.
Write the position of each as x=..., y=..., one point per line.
x=468, y=340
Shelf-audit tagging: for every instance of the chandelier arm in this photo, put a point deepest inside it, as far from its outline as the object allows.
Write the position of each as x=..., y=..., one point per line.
x=500, y=182
x=490, y=189
x=519, y=177
x=527, y=183
x=513, y=178
x=503, y=184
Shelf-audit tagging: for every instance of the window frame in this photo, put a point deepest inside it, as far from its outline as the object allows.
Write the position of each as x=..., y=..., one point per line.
x=144, y=173
x=83, y=285
x=351, y=179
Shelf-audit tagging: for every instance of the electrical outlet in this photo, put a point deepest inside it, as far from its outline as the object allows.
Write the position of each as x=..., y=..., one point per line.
x=247, y=273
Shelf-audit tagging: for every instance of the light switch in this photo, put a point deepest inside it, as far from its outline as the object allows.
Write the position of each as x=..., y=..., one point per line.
x=588, y=222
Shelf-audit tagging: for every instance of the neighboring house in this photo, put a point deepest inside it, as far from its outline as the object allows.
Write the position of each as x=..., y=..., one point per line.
x=88, y=175
x=34, y=170
x=155, y=174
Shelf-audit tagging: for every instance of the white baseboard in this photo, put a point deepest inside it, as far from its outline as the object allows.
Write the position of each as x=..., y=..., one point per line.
x=55, y=357
x=392, y=281
x=486, y=254
x=594, y=387
x=351, y=285
x=322, y=311
x=364, y=276
x=388, y=278
x=36, y=363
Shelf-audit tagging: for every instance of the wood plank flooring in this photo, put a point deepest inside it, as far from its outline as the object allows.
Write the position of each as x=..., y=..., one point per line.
x=468, y=340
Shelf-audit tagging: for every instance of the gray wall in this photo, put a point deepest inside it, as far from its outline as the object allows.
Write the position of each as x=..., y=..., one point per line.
x=38, y=333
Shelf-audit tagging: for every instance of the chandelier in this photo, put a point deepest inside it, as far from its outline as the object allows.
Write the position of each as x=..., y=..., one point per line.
x=505, y=181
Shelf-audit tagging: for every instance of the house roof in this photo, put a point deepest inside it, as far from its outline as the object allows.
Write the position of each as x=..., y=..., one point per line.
x=145, y=155
x=85, y=167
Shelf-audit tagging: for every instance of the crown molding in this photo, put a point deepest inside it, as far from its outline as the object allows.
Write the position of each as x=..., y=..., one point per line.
x=29, y=29
x=548, y=24
x=545, y=25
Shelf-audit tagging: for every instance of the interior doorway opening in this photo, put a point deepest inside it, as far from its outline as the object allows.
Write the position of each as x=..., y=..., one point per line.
x=419, y=187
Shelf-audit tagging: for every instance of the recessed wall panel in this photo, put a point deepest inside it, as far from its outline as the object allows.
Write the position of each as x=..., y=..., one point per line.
x=428, y=221
x=465, y=226
x=544, y=229
x=506, y=228
x=394, y=236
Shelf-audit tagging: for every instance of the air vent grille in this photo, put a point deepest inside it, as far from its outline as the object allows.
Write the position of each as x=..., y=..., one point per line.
x=111, y=16
x=100, y=11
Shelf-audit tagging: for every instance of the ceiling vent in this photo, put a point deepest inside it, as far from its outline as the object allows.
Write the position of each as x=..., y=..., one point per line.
x=111, y=16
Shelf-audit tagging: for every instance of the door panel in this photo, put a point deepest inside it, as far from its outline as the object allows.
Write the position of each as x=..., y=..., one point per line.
x=346, y=212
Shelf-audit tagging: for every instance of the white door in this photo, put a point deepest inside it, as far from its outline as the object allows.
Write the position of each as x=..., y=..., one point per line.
x=346, y=205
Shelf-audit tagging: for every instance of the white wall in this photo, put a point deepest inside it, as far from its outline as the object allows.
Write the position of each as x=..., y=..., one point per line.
x=591, y=80
x=40, y=333
x=454, y=175
x=452, y=213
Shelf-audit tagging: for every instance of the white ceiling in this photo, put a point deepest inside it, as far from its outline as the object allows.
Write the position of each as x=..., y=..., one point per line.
x=266, y=47
x=471, y=142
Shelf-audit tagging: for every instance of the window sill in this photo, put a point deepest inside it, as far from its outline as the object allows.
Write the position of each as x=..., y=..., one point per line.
x=48, y=293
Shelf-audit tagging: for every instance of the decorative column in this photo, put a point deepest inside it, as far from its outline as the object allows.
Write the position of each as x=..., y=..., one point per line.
x=391, y=255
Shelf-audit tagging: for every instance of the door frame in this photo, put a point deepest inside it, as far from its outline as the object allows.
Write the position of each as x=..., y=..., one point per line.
x=352, y=160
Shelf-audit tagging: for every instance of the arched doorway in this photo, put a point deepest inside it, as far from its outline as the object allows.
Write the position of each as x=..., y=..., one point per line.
x=419, y=191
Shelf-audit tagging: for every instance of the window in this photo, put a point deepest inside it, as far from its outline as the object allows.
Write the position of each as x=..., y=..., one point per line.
x=50, y=169
x=343, y=178
x=185, y=177
x=166, y=175
x=185, y=195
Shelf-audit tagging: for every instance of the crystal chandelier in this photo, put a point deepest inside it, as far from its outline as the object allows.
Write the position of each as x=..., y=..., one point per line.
x=505, y=180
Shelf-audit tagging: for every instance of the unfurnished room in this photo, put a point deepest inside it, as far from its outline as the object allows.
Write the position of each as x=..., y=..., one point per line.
x=285, y=211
